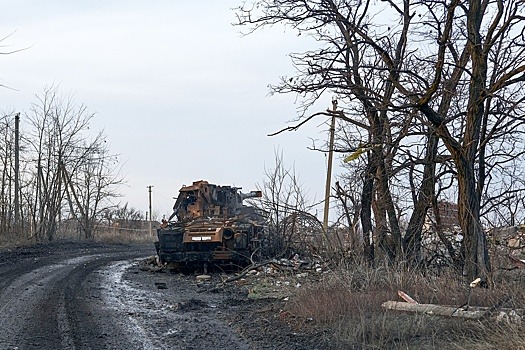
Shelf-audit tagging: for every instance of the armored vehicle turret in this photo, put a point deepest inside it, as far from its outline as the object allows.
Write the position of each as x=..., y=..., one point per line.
x=210, y=226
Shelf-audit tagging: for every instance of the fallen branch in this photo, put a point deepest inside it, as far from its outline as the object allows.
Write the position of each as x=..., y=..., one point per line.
x=516, y=262
x=239, y=276
x=406, y=297
x=275, y=264
x=248, y=269
x=473, y=313
x=432, y=309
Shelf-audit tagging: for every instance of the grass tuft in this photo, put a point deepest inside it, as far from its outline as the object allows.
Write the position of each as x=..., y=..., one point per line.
x=348, y=302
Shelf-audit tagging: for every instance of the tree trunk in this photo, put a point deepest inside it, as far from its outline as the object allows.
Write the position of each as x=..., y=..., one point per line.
x=476, y=263
x=366, y=211
x=417, y=219
x=394, y=247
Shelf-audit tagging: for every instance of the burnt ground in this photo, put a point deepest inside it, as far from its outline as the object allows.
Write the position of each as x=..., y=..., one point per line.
x=71, y=295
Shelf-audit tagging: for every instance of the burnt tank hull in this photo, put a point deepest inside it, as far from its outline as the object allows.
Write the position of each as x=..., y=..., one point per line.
x=208, y=241
x=229, y=234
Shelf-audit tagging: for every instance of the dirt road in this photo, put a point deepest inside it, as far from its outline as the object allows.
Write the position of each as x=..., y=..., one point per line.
x=93, y=296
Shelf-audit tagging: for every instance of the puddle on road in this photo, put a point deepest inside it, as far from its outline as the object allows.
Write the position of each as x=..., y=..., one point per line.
x=177, y=317
x=131, y=305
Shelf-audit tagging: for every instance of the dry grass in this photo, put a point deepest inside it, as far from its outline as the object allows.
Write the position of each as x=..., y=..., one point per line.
x=8, y=240
x=125, y=236
x=348, y=302
x=112, y=236
x=493, y=337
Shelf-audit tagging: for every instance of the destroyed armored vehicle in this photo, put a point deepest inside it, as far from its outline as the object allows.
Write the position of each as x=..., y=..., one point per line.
x=210, y=227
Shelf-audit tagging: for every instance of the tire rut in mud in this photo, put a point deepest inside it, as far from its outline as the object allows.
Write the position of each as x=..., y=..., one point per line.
x=48, y=304
x=96, y=297
x=176, y=316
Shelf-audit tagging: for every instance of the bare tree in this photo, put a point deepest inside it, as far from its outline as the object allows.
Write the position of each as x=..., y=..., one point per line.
x=357, y=77
x=6, y=168
x=122, y=213
x=454, y=62
x=73, y=174
x=91, y=184
x=4, y=51
x=290, y=226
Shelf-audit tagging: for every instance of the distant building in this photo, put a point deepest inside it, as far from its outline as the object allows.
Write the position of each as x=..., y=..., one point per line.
x=448, y=212
x=433, y=248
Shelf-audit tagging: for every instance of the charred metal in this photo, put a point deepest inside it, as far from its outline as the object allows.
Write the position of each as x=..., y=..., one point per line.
x=209, y=226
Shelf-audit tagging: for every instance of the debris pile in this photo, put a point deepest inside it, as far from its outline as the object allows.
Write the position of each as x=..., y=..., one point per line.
x=151, y=264
x=511, y=237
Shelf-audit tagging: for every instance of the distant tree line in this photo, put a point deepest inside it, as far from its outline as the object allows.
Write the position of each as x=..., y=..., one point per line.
x=431, y=106
x=65, y=172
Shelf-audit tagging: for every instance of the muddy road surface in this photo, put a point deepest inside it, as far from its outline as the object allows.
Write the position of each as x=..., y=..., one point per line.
x=93, y=296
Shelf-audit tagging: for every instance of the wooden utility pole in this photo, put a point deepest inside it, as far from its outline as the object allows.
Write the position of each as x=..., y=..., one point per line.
x=17, y=170
x=149, y=221
x=329, y=170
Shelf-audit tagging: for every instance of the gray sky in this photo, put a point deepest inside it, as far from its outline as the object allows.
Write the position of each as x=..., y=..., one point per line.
x=179, y=93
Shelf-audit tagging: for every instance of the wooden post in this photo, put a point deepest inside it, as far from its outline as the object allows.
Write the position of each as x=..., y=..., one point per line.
x=17, y=170
x=329, y=170
x=149, y=190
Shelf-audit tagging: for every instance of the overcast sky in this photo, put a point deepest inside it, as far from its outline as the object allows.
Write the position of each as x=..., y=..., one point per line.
x=179, y=93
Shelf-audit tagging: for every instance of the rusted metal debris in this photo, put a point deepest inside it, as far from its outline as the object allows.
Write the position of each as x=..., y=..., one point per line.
x=210, y=226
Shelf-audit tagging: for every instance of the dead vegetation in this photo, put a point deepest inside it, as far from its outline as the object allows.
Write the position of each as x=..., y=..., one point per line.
x=124, y=236
x=343, y=301
x=344, y=304
x=347, y=302
x=109, y=235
